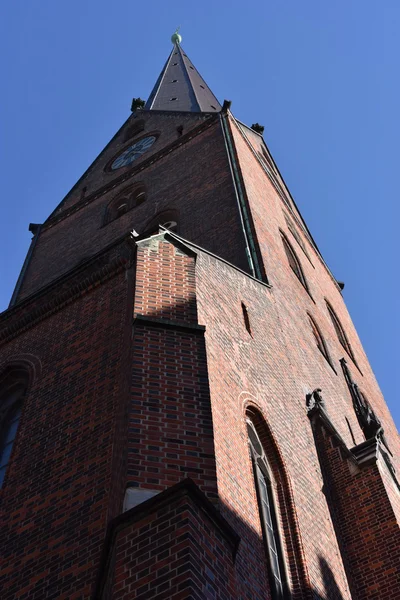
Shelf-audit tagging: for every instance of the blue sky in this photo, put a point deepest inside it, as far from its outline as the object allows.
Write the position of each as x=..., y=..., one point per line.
x=322, y=77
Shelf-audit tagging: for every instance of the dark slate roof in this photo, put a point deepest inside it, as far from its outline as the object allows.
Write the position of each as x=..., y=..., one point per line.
x=180, y=87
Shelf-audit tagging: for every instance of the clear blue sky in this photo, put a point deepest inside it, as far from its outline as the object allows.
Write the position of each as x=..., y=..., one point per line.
x=323, y=77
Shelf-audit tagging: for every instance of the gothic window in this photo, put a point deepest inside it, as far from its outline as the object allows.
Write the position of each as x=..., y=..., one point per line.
x=294, y=262
x=319, y=340
x=128, y=199
x=268, y=509
x=342, y=337
x=13, y=388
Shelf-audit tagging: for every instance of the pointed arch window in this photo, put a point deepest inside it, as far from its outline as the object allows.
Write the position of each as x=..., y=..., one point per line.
x=342, y=337
x=319, y=340
x=293, y=261
x=129, y=198
x=12, y=391
x=268, y=509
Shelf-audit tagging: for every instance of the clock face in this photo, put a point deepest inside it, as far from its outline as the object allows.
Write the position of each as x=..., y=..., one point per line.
x=133, y=152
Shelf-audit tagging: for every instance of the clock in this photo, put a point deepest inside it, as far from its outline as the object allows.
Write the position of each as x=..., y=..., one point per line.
x=133, y=152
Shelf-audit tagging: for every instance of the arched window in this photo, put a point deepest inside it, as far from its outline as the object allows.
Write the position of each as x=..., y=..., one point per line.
x=319, y=340
x=13, y=386
x=342, y=337
x=269, y=515
x=294, y=261
x=129, y=198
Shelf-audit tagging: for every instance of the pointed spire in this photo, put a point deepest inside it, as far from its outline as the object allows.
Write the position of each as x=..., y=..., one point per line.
x=180, y=86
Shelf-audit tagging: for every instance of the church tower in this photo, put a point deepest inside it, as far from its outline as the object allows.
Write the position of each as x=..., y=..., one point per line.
x=186, y=409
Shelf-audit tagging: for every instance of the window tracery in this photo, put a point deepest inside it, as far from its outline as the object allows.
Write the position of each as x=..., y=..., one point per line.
x=129, y=198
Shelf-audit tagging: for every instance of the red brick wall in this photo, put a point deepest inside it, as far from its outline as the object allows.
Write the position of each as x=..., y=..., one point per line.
x=165, y=282
x=170, y=429
x=294, y=302
x=365, y=520
x=273, y=369
x=170, y=552
x=63, y=483
x=84, y=436
x=194, y=179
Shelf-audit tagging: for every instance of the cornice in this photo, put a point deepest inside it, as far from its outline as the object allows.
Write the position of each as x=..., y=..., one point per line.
x=132, y=172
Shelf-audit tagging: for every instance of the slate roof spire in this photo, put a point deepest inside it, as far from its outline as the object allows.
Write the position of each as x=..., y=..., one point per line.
x=180, y=86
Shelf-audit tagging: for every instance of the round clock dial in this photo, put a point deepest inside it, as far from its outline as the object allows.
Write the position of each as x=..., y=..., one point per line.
x=133, y=152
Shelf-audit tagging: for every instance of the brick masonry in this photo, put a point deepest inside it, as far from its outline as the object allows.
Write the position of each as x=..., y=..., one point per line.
x=143, y=371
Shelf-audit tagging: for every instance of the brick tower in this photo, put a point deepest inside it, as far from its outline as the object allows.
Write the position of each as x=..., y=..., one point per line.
x=186, y=408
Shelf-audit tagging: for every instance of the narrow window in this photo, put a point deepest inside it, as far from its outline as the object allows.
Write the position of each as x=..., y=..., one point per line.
x=319, y=340
x=246, y=318
x=294, y=262
x=13, y=388
x=268, y=510
x=342, y=337
x=9, y=433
